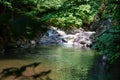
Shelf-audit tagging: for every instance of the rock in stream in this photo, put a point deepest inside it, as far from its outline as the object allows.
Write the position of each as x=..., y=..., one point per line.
x=78, y=38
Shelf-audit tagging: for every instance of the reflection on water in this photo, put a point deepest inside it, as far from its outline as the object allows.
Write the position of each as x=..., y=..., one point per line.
x=65, y=63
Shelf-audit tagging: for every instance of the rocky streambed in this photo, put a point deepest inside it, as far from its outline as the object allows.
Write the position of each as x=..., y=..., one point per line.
x=78, y=38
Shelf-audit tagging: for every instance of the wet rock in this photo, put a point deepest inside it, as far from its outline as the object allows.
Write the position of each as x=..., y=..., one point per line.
x=80, y=30
x=79, y=38
x=77, y=45
x=25, y=72
x=32, y=43
x=105, y=59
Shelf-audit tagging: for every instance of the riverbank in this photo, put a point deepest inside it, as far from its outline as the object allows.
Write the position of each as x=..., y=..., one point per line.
x=76, y=38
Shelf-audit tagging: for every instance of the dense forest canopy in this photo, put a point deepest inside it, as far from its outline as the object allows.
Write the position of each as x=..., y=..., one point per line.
x=27, y=17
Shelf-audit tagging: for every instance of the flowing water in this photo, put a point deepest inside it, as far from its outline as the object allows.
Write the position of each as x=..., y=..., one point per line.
x=64, y=63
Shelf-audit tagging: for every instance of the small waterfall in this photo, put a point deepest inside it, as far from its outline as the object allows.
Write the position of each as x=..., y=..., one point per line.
x=79, y=38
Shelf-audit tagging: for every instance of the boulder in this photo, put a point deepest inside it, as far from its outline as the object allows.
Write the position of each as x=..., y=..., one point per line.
x=79, y=38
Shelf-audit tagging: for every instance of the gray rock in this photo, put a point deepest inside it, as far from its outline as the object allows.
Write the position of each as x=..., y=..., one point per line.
x=79, y=38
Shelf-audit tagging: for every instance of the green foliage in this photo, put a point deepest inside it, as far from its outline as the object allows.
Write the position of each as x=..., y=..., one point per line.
x=72, y=13
x=48, y=4
x=24, y=17
x=21, y=16
x=109, y=41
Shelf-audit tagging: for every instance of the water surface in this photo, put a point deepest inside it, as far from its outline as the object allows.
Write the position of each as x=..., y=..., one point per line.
x=65, y=63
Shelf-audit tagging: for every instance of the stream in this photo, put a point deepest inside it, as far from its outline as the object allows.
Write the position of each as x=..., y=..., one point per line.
x=65, y=63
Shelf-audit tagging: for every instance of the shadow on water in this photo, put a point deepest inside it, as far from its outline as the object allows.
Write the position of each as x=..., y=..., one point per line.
x=100, y=72
x=15, y=73
x=65, y=63
x=115, y=70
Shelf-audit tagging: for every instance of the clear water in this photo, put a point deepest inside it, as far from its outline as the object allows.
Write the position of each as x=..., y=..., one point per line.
x=65, y=63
